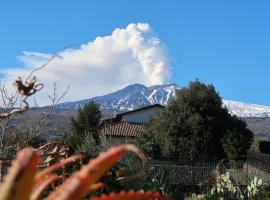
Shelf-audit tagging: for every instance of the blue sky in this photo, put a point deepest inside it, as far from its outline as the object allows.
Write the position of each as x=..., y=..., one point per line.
x=226, y=43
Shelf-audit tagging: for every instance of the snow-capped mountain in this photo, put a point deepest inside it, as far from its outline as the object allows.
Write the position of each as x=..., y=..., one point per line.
x=129, y=98
x=246, y=109
x=137, y=95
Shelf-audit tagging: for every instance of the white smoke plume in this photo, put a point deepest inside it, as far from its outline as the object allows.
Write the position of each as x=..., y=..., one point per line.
x=131, y=55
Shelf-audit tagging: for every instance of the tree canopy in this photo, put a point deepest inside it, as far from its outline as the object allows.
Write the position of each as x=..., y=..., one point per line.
x=85, y=125
x=195, y=123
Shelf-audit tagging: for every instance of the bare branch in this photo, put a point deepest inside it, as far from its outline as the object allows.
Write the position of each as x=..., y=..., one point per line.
x=47, y=62
x=54, y=101
x=10, y=106
x=25, y=91
x=28, y=88
x=35, y=102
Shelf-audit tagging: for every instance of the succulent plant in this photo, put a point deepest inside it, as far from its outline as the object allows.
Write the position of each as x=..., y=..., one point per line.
x=254, y=186
x=25, y=181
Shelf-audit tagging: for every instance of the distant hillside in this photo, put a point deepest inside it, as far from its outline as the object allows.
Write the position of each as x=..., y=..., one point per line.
x=260, y=127
x=59, y=120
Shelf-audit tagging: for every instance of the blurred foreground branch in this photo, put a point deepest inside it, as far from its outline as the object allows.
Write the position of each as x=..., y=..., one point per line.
x=25, y=90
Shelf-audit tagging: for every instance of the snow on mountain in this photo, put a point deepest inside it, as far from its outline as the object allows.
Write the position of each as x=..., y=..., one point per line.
x=129, y=98
x=137, y=95
x=246, y=109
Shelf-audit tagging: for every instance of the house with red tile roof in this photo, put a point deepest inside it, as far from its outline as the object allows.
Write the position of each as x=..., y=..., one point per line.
x=124, y=127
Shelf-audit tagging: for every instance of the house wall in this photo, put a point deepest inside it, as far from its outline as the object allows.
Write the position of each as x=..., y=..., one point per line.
x=117, y=140
x=142, y=116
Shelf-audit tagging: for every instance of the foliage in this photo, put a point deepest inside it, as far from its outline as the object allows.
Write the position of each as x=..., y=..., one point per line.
x=263, y=194
x=87, y=123
x=255, y=145
x=226, y=188
x=161, y=182
x=90, y=146
x=25, y=182
x=254, y=187
x=233, y=144
x=264, y=147
x=25, y=138
x=224, y=184
x=196, y=124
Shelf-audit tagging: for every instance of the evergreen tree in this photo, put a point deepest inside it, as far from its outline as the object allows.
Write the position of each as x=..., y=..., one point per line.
x=237, y=138
x=85, y=125
x=195, y=124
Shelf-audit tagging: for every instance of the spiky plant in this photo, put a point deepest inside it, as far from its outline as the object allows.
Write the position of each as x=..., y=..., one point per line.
x=25, y=182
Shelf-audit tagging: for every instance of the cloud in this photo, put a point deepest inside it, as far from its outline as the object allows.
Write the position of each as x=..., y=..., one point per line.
x=130, y=55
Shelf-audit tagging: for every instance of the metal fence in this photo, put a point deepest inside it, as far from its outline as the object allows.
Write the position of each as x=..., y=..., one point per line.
x=187, y=172
x=259, y=160
x=245, y=168
x=258, y=164
x=190, y=173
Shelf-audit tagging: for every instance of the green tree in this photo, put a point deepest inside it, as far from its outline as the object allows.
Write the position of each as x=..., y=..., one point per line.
x=195, y=124
x=237, y=138
x=85, y=125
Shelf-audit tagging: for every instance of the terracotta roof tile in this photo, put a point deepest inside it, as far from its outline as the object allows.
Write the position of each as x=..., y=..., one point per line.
x=122, y=129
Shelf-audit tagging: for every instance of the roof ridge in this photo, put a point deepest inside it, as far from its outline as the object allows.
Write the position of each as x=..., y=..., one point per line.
x=122, y=122
x=139, y=109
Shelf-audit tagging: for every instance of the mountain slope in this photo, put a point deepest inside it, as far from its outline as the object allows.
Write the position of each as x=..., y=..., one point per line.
x=246, y=109
x=137, y=95
x=129, y=98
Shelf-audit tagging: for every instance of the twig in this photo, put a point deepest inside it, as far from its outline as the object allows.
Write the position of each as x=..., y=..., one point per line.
x=54, y=101
x=47, y=62
x=28, y=88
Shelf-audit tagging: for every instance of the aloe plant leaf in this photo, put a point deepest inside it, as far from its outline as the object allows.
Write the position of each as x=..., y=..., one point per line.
x=18, y=183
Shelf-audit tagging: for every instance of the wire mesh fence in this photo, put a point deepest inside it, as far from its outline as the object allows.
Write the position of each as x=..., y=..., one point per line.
x=258, y=164
x=242, y=169
x=189, y=173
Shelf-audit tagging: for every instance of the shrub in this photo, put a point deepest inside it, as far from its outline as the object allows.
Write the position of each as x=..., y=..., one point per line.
x=264, y=147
